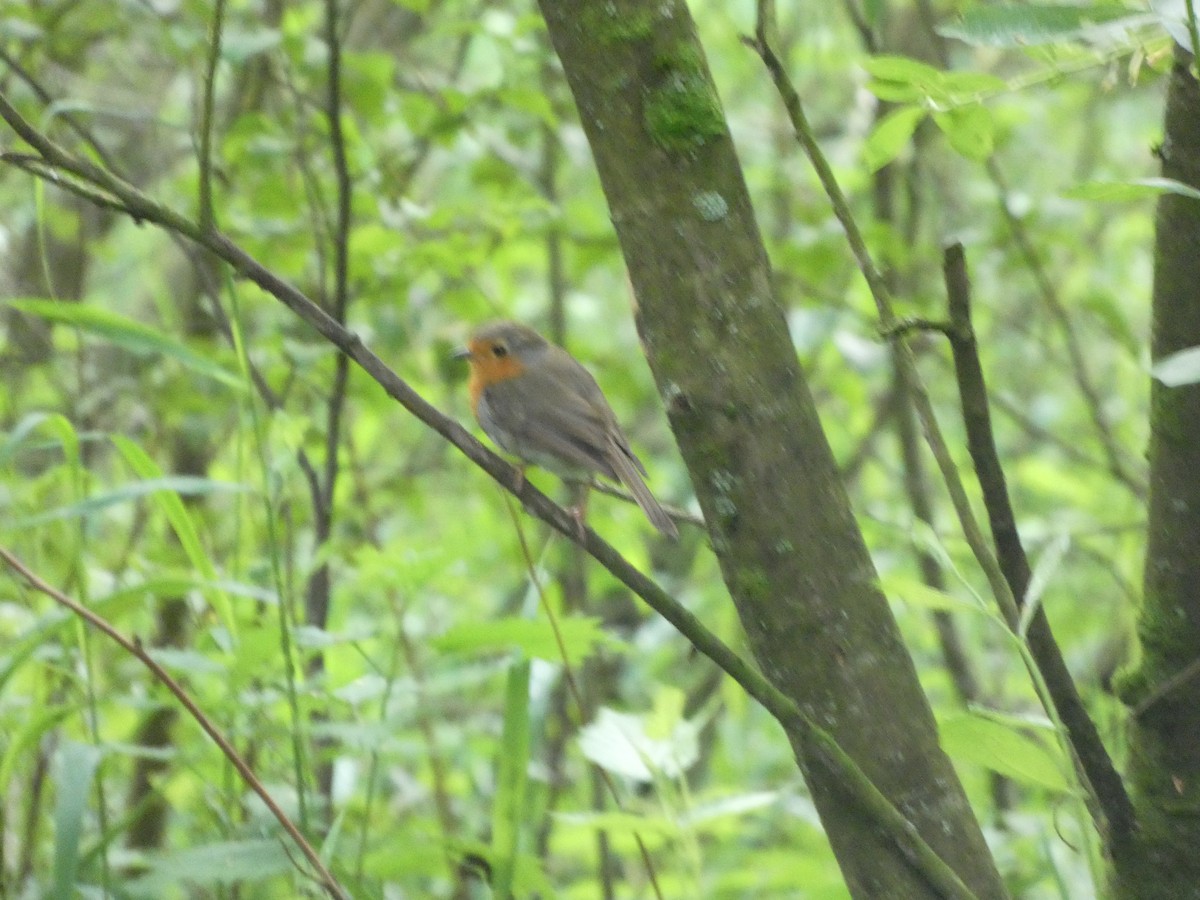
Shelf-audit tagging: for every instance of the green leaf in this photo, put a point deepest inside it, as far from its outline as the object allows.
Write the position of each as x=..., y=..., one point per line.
x=628, y=745
x=76, y=764
x=21, y=740
x=20, y=432
x=642, y=823
x=968, y=737
x=891, y=136
x=1135, y=189
x=1180, y=368
x=902, y=80
x=533, y=637
x=970, y=131
x=1047, y=565
x=176, y=513
x=917, y=593
x=310, y=637
x=874, y=12
x=369, y=78
x=186, y=662
x=1034, y=721
x=1022, y=26
x=237, y=46
x=64, y=430
x=530, y=100
x=898, y=79
x=734, y=805
x=903, y=70
x=508, y=805
x=970, y=85
x=215, y=864
x=897, y=92
x=18, y=649
x=128, y=335
x=182, y=485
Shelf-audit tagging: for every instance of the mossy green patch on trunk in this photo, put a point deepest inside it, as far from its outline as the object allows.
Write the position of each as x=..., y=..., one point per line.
x=683, y=113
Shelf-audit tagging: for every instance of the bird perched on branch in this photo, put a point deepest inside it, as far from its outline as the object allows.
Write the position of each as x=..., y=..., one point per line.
x=536, y=402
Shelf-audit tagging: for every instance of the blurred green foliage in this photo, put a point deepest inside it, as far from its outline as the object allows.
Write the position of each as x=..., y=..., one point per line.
x=140, y=464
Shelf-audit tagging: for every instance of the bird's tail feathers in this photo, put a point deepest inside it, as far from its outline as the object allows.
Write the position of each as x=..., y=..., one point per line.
x=627, y=471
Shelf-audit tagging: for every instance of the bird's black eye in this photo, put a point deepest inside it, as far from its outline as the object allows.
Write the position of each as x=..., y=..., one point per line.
x=499, y=351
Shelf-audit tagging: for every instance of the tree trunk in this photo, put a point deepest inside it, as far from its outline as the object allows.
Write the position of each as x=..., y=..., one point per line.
x=779, y=518
x=1163, y=690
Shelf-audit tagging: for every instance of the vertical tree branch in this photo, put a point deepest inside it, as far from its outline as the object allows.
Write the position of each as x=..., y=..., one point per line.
x=319, y=587
x=1162, y=686
x=207, y=104
x=1090, y=755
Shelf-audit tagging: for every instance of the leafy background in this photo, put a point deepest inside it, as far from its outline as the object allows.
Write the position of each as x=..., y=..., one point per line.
x=145, y=475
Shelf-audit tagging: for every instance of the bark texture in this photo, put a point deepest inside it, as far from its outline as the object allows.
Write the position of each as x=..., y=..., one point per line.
x=779, y=518
x=1163, y=690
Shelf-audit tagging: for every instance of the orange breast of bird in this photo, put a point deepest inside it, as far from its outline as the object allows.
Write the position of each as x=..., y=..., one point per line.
x=488, y=369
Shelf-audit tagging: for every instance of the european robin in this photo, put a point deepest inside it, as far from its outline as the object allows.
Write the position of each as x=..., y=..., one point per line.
x=537, y=403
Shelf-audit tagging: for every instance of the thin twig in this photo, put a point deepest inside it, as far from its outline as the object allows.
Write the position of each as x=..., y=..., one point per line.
x=319, y=588
x=70, y=118
x=1193, y=32
x=904, y=327
x=207, y=103
x=323, y=489
x=916, y=487
x=1088, y=749
x=866, y=33
x=676, y=514
x=341, y=242
x=886, y=184
x=36, y=166
x=1180, y=678
x=1080, y=371
x=134, y=648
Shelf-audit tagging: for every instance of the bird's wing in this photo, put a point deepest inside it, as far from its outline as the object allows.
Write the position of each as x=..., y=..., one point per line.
x=551, y=425
x=616, y=442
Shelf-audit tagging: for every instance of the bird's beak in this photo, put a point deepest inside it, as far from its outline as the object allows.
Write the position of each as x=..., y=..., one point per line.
x=461, y=353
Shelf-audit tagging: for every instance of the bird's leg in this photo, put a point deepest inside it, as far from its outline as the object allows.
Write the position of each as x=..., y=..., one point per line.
x=579, y=509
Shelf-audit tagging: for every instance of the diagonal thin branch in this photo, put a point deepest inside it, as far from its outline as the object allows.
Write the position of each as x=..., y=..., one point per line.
x=1090, y=754
x=83, y=132
x=134, y=648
